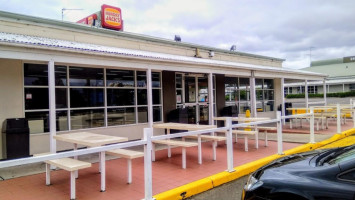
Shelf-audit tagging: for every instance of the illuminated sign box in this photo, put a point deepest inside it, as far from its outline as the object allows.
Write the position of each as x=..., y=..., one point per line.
x=109, y=17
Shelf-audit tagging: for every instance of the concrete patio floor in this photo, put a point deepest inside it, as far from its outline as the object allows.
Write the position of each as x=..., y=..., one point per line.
x=167, y=172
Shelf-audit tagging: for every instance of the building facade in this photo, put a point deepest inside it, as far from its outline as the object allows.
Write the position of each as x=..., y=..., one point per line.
x=341, y=77
x=64, y=77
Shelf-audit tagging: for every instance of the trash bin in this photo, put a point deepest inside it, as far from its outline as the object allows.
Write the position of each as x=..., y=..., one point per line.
x=287, y=112
x=15, y=138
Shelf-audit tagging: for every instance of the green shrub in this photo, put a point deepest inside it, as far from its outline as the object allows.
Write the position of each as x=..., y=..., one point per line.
x=336, y=94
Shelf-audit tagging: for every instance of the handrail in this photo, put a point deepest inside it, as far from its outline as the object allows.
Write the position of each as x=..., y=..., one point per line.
x=23, y=161
x=149, y=138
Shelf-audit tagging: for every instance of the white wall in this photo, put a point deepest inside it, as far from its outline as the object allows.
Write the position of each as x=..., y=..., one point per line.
x=11, y=91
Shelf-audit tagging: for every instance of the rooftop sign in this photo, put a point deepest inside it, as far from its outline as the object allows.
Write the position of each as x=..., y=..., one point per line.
x=109, y=17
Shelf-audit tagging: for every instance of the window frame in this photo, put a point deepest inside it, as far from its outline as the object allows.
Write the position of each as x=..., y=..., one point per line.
x=105, y=106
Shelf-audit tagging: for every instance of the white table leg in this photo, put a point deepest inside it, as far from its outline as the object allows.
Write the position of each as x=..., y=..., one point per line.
x=290, y=123
x=199, y=149
x=76, y=158
x=72, y=184
x=169, y=149
x=184, y=158
x=100, y=165
x=48, y=174
x=129, y=171
x=246, y=143
x=103, y=171
x=257, y=140
x=214, y=146
x=266, y=144
x=153, y=152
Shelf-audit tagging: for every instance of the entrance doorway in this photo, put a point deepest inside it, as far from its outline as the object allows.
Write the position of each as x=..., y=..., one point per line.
x=192, y=94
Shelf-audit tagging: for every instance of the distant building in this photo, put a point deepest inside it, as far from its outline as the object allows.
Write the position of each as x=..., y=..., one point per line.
x=341, y=77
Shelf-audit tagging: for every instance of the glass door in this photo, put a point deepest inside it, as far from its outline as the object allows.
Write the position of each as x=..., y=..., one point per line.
x=192, y=94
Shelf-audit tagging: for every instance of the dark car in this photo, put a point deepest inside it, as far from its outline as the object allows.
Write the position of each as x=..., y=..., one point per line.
x=327, y=174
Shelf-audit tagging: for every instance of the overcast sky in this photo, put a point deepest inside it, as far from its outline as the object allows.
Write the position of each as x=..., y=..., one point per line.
x=284, y=29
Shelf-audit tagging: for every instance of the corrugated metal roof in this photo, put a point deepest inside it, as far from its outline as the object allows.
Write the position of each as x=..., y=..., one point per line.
x=334, y=70
x=66, y=24
x=328, y=82
x=33, y=41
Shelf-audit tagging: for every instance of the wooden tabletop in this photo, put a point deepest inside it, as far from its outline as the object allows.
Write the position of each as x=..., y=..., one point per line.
x=89, y=139
x=181, y=126
x=243, y=119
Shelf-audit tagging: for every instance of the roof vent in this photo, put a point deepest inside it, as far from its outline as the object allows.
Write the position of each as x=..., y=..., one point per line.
x=177, y=38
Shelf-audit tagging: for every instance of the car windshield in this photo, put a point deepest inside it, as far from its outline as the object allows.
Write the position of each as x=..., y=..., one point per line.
x=348, y=155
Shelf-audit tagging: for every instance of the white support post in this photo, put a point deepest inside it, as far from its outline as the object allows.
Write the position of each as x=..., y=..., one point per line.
x=150, y=99
x=311, y=127
x=283, y=109
x=214, y=150
x=48, y=174
x=148, y=189
x=199, y=149
x=325, y=92
x=129, y=171
x=103, y=171
x=353, y=112
x=72, y=185
x=229, y=145
x=279, y=134
x=210, y=99
x=306, y=92
x=183, y=151
x=338, y=119
x=52, y=113
x=252, y=95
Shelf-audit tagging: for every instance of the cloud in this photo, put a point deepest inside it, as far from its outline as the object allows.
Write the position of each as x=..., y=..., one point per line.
x=275, y=28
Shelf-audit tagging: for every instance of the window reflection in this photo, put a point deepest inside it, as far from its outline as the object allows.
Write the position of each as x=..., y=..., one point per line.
x=81, y=119
x=142, y=114
x=120, y=97
x=62, y=120
x=120, y=78
x=60, y=75
x=120, y=116
x=35, y=74
x=141, y=79
x=80, y=76
x=36, y=98
x=86, y=97
x=38, y=122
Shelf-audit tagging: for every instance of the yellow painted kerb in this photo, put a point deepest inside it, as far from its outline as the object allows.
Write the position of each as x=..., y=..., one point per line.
x=210, y=182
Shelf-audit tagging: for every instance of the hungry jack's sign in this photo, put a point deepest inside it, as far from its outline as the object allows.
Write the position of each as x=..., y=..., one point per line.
x=109, y=17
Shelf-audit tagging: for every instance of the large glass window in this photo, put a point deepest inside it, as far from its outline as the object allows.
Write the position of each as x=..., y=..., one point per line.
x=84, y=96
x=35, y=74
x=81, y=76
x=237, y=92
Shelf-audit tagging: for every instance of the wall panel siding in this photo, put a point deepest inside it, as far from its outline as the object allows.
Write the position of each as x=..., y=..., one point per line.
x=11, y=91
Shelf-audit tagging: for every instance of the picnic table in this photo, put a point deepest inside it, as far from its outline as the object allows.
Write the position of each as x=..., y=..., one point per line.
x=183, y=144
x=91, y=140
x=248, y=129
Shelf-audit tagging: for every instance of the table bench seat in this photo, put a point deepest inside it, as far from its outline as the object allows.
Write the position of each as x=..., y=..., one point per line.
x=177, y=143
x=68, y=164
x=208, y=137
x=129, y=155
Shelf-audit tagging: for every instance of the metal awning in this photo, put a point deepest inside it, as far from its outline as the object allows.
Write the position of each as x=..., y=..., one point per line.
x=10, y=39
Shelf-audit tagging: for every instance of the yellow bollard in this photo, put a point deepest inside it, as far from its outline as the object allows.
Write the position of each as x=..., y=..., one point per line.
x=247, y=115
